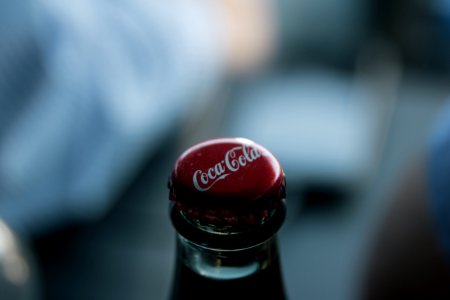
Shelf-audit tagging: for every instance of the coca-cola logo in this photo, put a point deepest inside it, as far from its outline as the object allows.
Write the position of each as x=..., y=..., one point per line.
x=233, y=161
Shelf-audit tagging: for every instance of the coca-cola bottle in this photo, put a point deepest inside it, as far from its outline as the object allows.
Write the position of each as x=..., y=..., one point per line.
x=227, y=204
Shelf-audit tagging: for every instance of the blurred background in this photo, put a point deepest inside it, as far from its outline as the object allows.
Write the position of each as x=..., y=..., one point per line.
x=97, y=100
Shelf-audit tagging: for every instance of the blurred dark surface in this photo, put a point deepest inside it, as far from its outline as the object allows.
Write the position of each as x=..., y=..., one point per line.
x=128, y=254
x=408, y=225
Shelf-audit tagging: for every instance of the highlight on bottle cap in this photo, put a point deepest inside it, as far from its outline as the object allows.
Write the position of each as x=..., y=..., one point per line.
x=227, y=182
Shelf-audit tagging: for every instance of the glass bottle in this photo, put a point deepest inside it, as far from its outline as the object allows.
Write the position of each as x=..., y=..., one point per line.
x=228, y=202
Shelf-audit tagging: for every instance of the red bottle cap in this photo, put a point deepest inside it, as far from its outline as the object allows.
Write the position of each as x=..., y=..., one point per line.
x=227, y=182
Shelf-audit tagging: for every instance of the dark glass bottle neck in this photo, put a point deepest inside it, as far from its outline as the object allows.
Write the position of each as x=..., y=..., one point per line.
x=209, y=273
x=229, y=239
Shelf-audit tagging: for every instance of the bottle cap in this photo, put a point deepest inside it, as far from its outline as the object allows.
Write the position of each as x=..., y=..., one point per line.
x=227, y=185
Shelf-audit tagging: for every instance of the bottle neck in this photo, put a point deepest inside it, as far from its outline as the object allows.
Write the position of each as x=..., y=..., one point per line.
x=229, y=262
x=208, y=273
x=224, y=264
x=188, y=223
